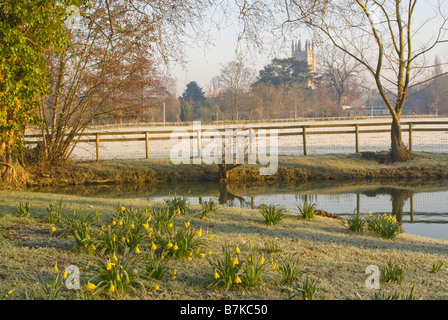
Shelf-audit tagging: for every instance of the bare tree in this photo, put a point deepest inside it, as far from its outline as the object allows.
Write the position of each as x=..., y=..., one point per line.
x=235, y=80
x=113, y=65
x=382, y=36
x=339, y=72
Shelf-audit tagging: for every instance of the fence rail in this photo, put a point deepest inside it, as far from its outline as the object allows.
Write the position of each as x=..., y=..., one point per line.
x=290, y=130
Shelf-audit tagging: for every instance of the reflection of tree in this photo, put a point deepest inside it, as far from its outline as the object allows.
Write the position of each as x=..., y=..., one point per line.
x=398, y=197
x=225, y=196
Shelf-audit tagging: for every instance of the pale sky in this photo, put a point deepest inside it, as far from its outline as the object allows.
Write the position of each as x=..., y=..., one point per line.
x=205, y=63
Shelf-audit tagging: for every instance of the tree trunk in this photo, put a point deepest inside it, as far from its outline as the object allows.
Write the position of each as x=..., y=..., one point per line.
x=7, y=169
x=398, y=148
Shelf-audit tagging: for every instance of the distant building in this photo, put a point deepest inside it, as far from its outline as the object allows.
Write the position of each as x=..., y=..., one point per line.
x=307, y=55
x=213, y=92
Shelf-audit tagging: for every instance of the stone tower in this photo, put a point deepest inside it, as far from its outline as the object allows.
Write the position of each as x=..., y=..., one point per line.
x=307, y=54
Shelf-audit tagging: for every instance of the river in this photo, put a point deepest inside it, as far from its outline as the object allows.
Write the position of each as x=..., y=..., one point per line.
x=421, y=206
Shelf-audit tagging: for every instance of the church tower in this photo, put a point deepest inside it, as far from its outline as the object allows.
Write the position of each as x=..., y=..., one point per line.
x=307, y=54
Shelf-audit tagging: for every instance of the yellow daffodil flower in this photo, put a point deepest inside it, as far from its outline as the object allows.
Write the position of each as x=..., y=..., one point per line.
x=53, y=230
x=237, y=250
x=137, y=250
x=217, y=275
x=109, y=265
x=175, y=247
x=132, y=226
x=10, y=292
x=237, y=280
x=56, y=269
x=91, y=286
x=261, y=261
x=146, y=226
x=169, y=245
x=112, y=288
x=153, y=247
x=156, y=287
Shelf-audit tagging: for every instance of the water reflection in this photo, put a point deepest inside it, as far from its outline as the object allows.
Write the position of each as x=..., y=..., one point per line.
x=417, y=204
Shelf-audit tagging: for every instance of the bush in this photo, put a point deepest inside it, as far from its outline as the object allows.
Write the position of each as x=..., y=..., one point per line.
x=208, y=207
x=289, y=268
x=385, y=226
x=272, y=214
x=393, y=272
x=24, y=209
x=178, y=205
x=252, y=270
x=227, y=269
x=356, y=223
x=307, y=210
x=56, y=211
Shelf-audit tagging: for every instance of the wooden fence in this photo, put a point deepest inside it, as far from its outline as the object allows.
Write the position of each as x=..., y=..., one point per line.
x=303, y=130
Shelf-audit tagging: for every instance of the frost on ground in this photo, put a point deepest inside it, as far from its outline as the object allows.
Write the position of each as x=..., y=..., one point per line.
x=292, y=145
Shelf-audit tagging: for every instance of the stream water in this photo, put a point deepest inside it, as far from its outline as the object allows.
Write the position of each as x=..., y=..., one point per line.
x=422, y=206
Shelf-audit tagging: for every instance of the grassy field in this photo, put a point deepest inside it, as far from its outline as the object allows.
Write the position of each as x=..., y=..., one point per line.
x=310, y=168
x=326, y=252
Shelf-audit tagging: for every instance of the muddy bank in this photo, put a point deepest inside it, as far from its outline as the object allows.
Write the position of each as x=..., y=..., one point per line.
x=303, y=169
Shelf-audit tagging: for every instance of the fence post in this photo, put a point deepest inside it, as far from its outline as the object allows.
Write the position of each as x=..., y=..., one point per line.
x=357, y=137
x=199, y=143
x=97, y=147
x=410, y=136
x=147, y=144
x=304, y=140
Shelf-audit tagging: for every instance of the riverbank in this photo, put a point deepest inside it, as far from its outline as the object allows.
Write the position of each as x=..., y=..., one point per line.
x=325, y=249
x=353, y=167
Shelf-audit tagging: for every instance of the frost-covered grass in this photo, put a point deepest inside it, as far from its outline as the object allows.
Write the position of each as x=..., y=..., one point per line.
x=326, y=251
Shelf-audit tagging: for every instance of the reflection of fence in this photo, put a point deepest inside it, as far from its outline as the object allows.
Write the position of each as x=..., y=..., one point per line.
x=303, y=131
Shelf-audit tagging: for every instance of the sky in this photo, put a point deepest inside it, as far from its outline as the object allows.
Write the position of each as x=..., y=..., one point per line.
x=204, y=63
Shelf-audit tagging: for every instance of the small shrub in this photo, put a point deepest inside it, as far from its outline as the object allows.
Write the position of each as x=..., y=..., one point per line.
x=107, y=241
x=155, y=267
x=307, y=210
x=116, y=276
x=162, y=219
x=436, y=266
x=289, y=268
x=178, y=204
x=252, y=271
x=56, y=211
x=44, y=288
x=356, y=223
x=396, y=295
x=80, y=226
x=227, y=268
x=180, y=242
x=272, y=214
x=208, y=207
x=393, y=272
x=307, y=289
x=24, y=209
x=272, y=246
x=385, y=226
